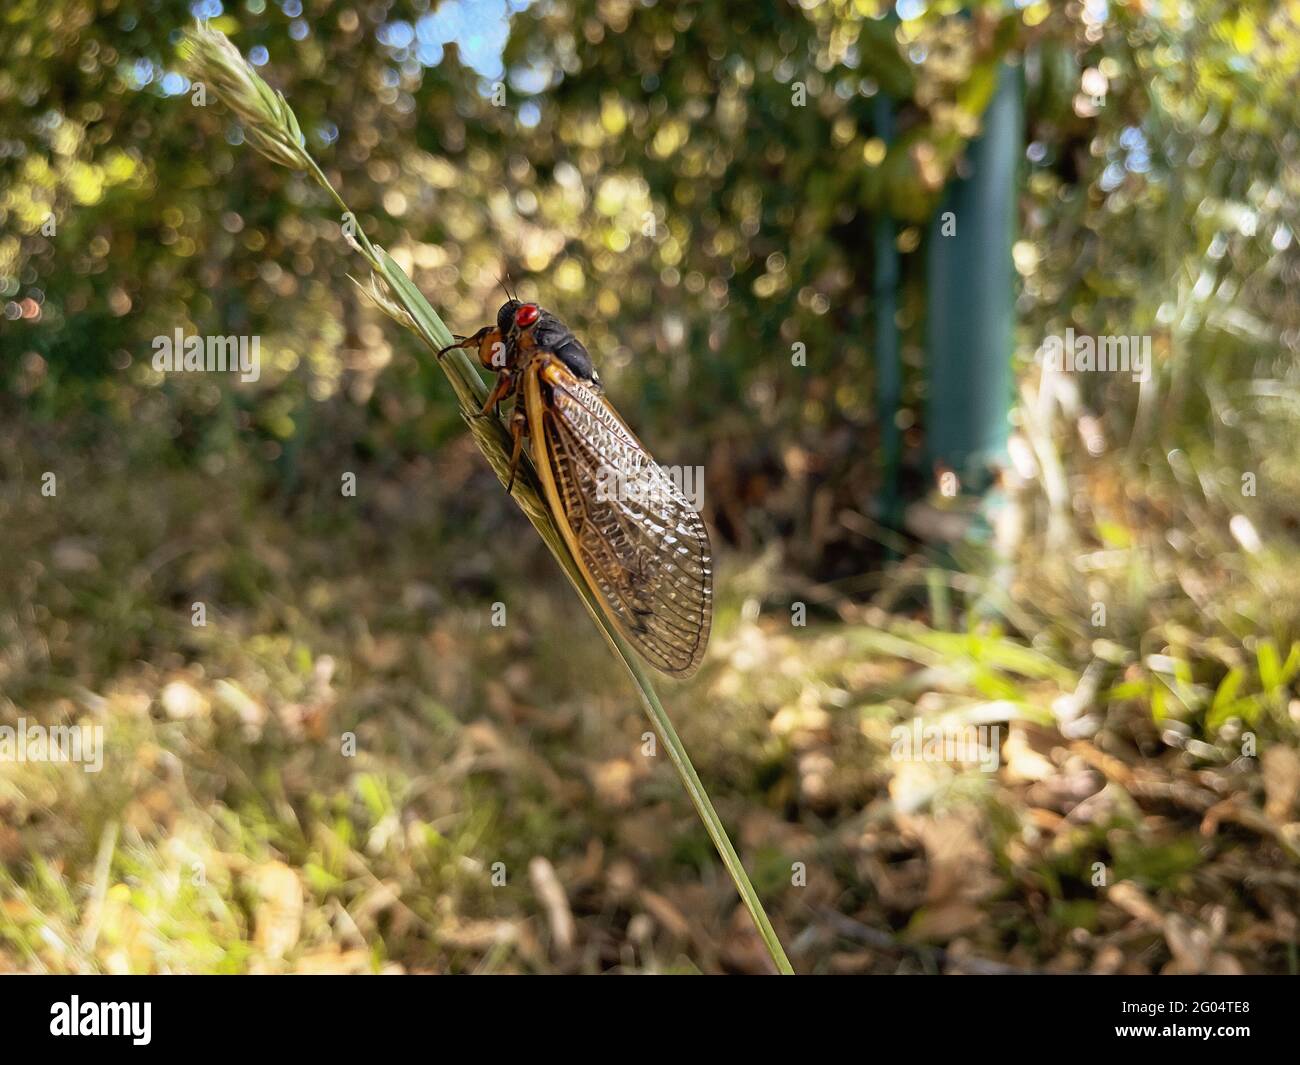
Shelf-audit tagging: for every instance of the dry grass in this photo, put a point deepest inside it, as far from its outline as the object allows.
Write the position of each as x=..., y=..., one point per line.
x=228, y=831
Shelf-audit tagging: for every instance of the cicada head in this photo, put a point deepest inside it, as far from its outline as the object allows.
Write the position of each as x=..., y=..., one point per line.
x=506, y=316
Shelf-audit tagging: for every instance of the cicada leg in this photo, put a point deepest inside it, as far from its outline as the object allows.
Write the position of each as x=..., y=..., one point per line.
x=492, y=354
x=490, y=344
x=518, y=429
x=466, y=342
x=504, y=387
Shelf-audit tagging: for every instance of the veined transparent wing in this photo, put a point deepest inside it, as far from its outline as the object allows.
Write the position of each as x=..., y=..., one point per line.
x=639, y=543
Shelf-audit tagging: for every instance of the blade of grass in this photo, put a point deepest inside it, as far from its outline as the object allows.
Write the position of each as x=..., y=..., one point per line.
x=213, y=57
x=495, y=447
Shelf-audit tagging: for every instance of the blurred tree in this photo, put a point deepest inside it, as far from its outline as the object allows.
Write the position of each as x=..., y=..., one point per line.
x=694, y=188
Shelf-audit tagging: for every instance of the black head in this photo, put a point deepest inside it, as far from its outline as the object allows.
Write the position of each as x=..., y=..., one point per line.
x=515, y=314
x=506, y=315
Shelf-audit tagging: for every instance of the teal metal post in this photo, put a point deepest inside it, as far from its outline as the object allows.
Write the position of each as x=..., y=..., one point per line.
x=970, y=299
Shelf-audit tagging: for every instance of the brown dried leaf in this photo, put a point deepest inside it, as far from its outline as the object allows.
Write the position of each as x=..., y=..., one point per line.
x=1281, y=771
x=278, y=917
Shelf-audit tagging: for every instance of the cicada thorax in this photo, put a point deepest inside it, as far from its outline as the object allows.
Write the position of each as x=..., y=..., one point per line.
x=548, y=335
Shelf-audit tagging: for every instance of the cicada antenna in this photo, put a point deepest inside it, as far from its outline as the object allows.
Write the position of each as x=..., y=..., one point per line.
x=506, y=288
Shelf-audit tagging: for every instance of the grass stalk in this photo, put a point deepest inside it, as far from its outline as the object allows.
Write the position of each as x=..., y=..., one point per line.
x=275, y=133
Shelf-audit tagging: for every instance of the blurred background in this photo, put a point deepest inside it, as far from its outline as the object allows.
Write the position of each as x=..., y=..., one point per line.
x=816, y=249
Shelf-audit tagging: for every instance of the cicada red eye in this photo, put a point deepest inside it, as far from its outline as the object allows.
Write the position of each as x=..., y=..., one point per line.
x=526, y=315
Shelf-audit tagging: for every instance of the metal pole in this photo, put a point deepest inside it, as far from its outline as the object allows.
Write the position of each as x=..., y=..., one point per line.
x=970, y=300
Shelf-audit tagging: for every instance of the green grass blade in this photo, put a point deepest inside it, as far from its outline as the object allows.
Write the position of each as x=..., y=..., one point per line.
x=465, y=378
x=270, y=120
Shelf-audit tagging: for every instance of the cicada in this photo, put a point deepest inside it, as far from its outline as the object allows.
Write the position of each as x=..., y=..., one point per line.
x=639, y=544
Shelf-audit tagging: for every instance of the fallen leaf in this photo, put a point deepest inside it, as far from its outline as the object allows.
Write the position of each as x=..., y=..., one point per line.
x=277, y=919
x=550, y=893
x=1280, y=767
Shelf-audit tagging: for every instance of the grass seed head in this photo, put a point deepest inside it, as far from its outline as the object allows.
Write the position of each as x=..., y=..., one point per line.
x=269, y=121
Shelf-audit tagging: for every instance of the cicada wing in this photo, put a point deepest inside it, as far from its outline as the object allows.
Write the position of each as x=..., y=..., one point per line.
x=640, y=545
